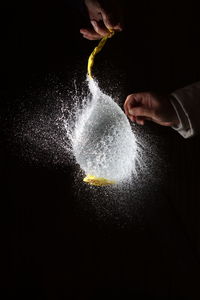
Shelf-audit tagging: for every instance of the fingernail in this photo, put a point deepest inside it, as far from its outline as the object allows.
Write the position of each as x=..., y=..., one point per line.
x=93, y=22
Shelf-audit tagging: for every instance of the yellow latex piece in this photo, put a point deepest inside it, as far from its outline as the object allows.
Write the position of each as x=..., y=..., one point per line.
x=98, y=181
x=97, y=50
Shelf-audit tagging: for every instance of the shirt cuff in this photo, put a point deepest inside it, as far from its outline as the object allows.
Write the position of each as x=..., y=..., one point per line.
x=185, y=127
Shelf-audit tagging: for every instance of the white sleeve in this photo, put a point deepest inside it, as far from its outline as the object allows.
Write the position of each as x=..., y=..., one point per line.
x=186, y=103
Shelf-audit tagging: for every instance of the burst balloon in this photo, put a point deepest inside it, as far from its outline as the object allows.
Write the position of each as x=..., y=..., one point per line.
x=103, y=142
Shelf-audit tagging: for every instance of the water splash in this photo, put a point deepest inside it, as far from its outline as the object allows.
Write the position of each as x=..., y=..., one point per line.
x=43, y=130
x=102, y=141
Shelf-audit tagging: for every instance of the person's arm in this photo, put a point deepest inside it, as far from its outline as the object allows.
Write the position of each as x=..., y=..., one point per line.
x=180, y=110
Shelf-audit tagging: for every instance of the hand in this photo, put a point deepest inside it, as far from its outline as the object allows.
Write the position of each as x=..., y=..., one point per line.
x=147, y=106
x=104, y=16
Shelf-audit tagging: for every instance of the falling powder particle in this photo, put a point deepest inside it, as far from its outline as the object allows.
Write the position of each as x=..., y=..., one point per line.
x=102, y=140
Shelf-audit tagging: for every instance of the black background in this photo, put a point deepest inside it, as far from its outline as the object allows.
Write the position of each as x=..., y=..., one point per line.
x=49, y=250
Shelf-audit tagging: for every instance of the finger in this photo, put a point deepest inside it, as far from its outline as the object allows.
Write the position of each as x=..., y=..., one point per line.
x=140, y=120
x=110, y=24
x=139, y=111
x=117, y=27
x=125, y=108
x=90, y=34
x=132, y=118
x=126, y=104
x=112, y=17
x=89, y=38
x=134, y=106
x=101, y=30
x=130, y=102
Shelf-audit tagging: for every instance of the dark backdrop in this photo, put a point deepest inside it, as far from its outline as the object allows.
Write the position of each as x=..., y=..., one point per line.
x=50, y=247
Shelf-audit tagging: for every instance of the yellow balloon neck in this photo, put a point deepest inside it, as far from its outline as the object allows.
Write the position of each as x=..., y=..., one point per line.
x=98, y=181
x=97, y=50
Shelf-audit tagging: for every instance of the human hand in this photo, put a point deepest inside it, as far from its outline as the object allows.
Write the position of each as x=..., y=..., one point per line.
x=140, y=107
x=104, y=16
